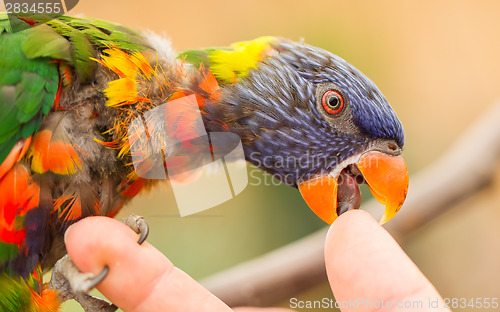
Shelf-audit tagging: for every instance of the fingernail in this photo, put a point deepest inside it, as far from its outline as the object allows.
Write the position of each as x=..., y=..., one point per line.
x=67, y=231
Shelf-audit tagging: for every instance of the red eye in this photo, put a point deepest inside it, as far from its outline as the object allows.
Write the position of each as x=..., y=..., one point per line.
x=332, y=102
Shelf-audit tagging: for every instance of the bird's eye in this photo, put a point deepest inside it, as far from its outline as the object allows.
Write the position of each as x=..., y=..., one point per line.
x=333, y=102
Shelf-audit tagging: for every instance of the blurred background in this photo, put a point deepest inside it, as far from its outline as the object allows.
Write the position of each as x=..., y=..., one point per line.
x=438, y=64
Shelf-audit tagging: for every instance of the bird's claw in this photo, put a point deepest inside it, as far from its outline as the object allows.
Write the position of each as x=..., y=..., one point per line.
x=73, y=284
x=80, y=283
x=138, y=225
x=91, y=281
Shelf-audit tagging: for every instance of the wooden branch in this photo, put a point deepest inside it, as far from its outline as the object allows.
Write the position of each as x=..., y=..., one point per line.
x=465, y=168
x=273, y=276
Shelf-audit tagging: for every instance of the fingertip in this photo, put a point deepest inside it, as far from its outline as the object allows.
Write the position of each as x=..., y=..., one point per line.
x=364, y=262
x=351, y=229
x=352, y=220
x=91, y=240
x=140, y=277
x=96, y=242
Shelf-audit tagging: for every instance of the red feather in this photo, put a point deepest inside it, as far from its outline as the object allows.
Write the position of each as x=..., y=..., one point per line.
x=58, y=94
x=210, y=85
x=132, y=189
x=15, y=155
x=183, y=119
x=30, y=20
x=18, y=195
x=51, y=154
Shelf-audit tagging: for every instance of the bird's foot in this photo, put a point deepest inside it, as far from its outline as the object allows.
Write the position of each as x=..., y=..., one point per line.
x=73, y=284
x=138, y=225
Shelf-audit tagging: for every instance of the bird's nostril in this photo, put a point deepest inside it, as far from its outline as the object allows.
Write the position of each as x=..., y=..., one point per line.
x=392, y=147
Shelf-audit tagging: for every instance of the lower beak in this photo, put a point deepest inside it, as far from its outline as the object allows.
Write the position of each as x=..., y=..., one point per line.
x=386, y=176
x=320, y=194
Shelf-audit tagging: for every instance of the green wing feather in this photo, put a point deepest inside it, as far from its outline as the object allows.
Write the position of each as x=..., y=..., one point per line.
x=199, y=56
x=29, y=74
x=15, y=294
x=28, y=86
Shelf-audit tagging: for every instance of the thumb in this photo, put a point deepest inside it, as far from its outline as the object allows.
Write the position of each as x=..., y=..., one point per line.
x=140, y=278
x=368, y=270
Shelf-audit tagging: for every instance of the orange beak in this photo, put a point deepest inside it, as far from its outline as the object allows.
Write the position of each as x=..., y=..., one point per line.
x=386, y=176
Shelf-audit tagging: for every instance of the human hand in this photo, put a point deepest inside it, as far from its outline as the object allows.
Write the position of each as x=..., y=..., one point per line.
x=363, y=262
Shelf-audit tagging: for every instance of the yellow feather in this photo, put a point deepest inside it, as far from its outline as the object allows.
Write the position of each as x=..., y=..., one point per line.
x=121, y=92
x=119, y=62
x=140, y=61
x=229, y=65
x=124, y=90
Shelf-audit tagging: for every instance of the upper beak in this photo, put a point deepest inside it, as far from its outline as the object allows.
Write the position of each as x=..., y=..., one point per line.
x=386, y=176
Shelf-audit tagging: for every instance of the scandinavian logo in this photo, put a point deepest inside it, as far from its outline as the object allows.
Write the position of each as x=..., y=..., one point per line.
x=204, y=169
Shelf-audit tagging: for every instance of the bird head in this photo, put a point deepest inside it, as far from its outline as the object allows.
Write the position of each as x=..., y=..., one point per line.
x=311, y=120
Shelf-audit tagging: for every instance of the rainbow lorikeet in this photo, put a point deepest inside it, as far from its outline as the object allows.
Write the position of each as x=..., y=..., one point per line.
x=70, y=89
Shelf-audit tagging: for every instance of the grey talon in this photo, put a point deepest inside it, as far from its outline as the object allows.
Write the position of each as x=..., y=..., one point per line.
x=144, y=230
x=138, y=225
x=70, y=283
x=96, y=280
